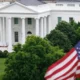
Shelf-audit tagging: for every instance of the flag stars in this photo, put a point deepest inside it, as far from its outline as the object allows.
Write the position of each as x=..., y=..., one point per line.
x=78, y=48
x=78, y=57
x=79, y=52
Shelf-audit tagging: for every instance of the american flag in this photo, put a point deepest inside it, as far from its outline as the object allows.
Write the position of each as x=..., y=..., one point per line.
x=67, y=68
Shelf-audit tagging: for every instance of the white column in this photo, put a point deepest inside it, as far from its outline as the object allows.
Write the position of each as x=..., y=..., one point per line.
x=23, y=31
x=0, y=30
x=3, y=31
x=49, y=24
x=42, y=27
x=45, y=26
x=37, y=26
x=9, y=35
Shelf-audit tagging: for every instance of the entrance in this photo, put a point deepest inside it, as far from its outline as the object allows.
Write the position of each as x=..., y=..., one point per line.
x=29, y=33
x=16, y=37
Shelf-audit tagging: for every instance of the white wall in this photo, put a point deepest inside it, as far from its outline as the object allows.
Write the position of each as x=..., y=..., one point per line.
x=30, y=27
x=18, y=28
x=65, y=16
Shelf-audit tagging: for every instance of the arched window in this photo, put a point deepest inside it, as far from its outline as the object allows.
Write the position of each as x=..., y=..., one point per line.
x=29, y=32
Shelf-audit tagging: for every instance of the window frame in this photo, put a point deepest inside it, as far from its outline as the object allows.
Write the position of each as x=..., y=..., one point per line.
x=16, y=21
x=59, y=19
x=29, y=21
x=70, y=19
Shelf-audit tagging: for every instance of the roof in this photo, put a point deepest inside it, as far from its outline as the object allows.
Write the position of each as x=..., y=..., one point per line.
x=68, y=0
x=30, y=2
x=63, y=0
x=3, y=4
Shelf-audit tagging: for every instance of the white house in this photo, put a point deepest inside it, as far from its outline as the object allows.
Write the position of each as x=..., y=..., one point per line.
x=25, y=17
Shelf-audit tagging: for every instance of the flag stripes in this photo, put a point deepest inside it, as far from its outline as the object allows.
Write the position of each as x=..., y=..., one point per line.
x=65, y=68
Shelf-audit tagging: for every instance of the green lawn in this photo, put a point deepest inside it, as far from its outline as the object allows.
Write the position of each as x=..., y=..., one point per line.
x=2, y=67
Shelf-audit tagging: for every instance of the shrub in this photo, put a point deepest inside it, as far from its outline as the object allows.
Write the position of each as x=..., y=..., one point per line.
x=68, y=30
x=4, y=54
x=1, y=54
x=32, y=60
x=58, y=38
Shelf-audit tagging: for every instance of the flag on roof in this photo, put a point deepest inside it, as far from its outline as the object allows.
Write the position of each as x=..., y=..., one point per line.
x=67, y=68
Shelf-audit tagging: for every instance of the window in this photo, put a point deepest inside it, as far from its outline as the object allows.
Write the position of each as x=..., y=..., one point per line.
x=70, y=19
x=59, y=4
x=15, y=20
x=29, y=21
x=71, y=5
x=59, y=19
x=16, y=36
x=29, y=32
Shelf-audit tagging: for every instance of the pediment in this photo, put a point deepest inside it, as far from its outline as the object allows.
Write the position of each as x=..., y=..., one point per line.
x=16, y=8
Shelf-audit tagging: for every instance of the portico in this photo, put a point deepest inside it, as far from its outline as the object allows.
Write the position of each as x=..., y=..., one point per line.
x=16, y=25
x=9, y=31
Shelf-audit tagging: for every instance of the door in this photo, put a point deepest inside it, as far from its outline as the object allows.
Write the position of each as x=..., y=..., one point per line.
x=16, y=37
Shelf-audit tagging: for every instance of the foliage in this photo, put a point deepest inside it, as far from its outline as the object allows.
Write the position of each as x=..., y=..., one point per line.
x=32, y=60
x=17, y=47
x=78, y=33
x=37, y=45
x=68, y=30
x=3, y=54
x=74, y=24
x=57, y=38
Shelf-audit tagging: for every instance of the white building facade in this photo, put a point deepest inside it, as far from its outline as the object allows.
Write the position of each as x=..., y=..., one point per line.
x=18, y=20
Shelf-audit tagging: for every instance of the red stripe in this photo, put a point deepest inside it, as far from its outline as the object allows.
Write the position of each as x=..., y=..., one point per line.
x=78, y=76
x=72, y=75
x=78, y=68
x=68, y=72
x=61, y=60
x=63, y=67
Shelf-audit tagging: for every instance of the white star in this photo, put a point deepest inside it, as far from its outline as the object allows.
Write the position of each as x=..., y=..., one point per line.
x=78, y=51
x=77, y=48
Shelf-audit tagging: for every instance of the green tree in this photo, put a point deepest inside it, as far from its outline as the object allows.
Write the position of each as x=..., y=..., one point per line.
x=74, y=24
x=57, y=38
x=78, y=33
x=68, y=30
x=32, y=60
x=17, y=47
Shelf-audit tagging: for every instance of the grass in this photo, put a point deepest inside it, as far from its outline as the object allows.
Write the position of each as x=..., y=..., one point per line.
x=2, y=67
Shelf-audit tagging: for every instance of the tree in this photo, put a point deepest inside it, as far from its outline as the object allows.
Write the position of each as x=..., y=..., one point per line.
x=78, y=33
x=17, y=47
x=68, y=30
x=57, y=38
x=32, y=60
x=74, y=24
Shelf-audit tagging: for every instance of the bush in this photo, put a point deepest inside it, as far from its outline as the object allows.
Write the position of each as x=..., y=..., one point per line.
x=32, y=60
x=4, y=54
x=17, y=47
x=68, y=30
x=1, y=54
x=58, y=38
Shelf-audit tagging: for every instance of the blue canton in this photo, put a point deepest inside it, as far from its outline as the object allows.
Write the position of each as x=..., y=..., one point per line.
x=77, y=47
